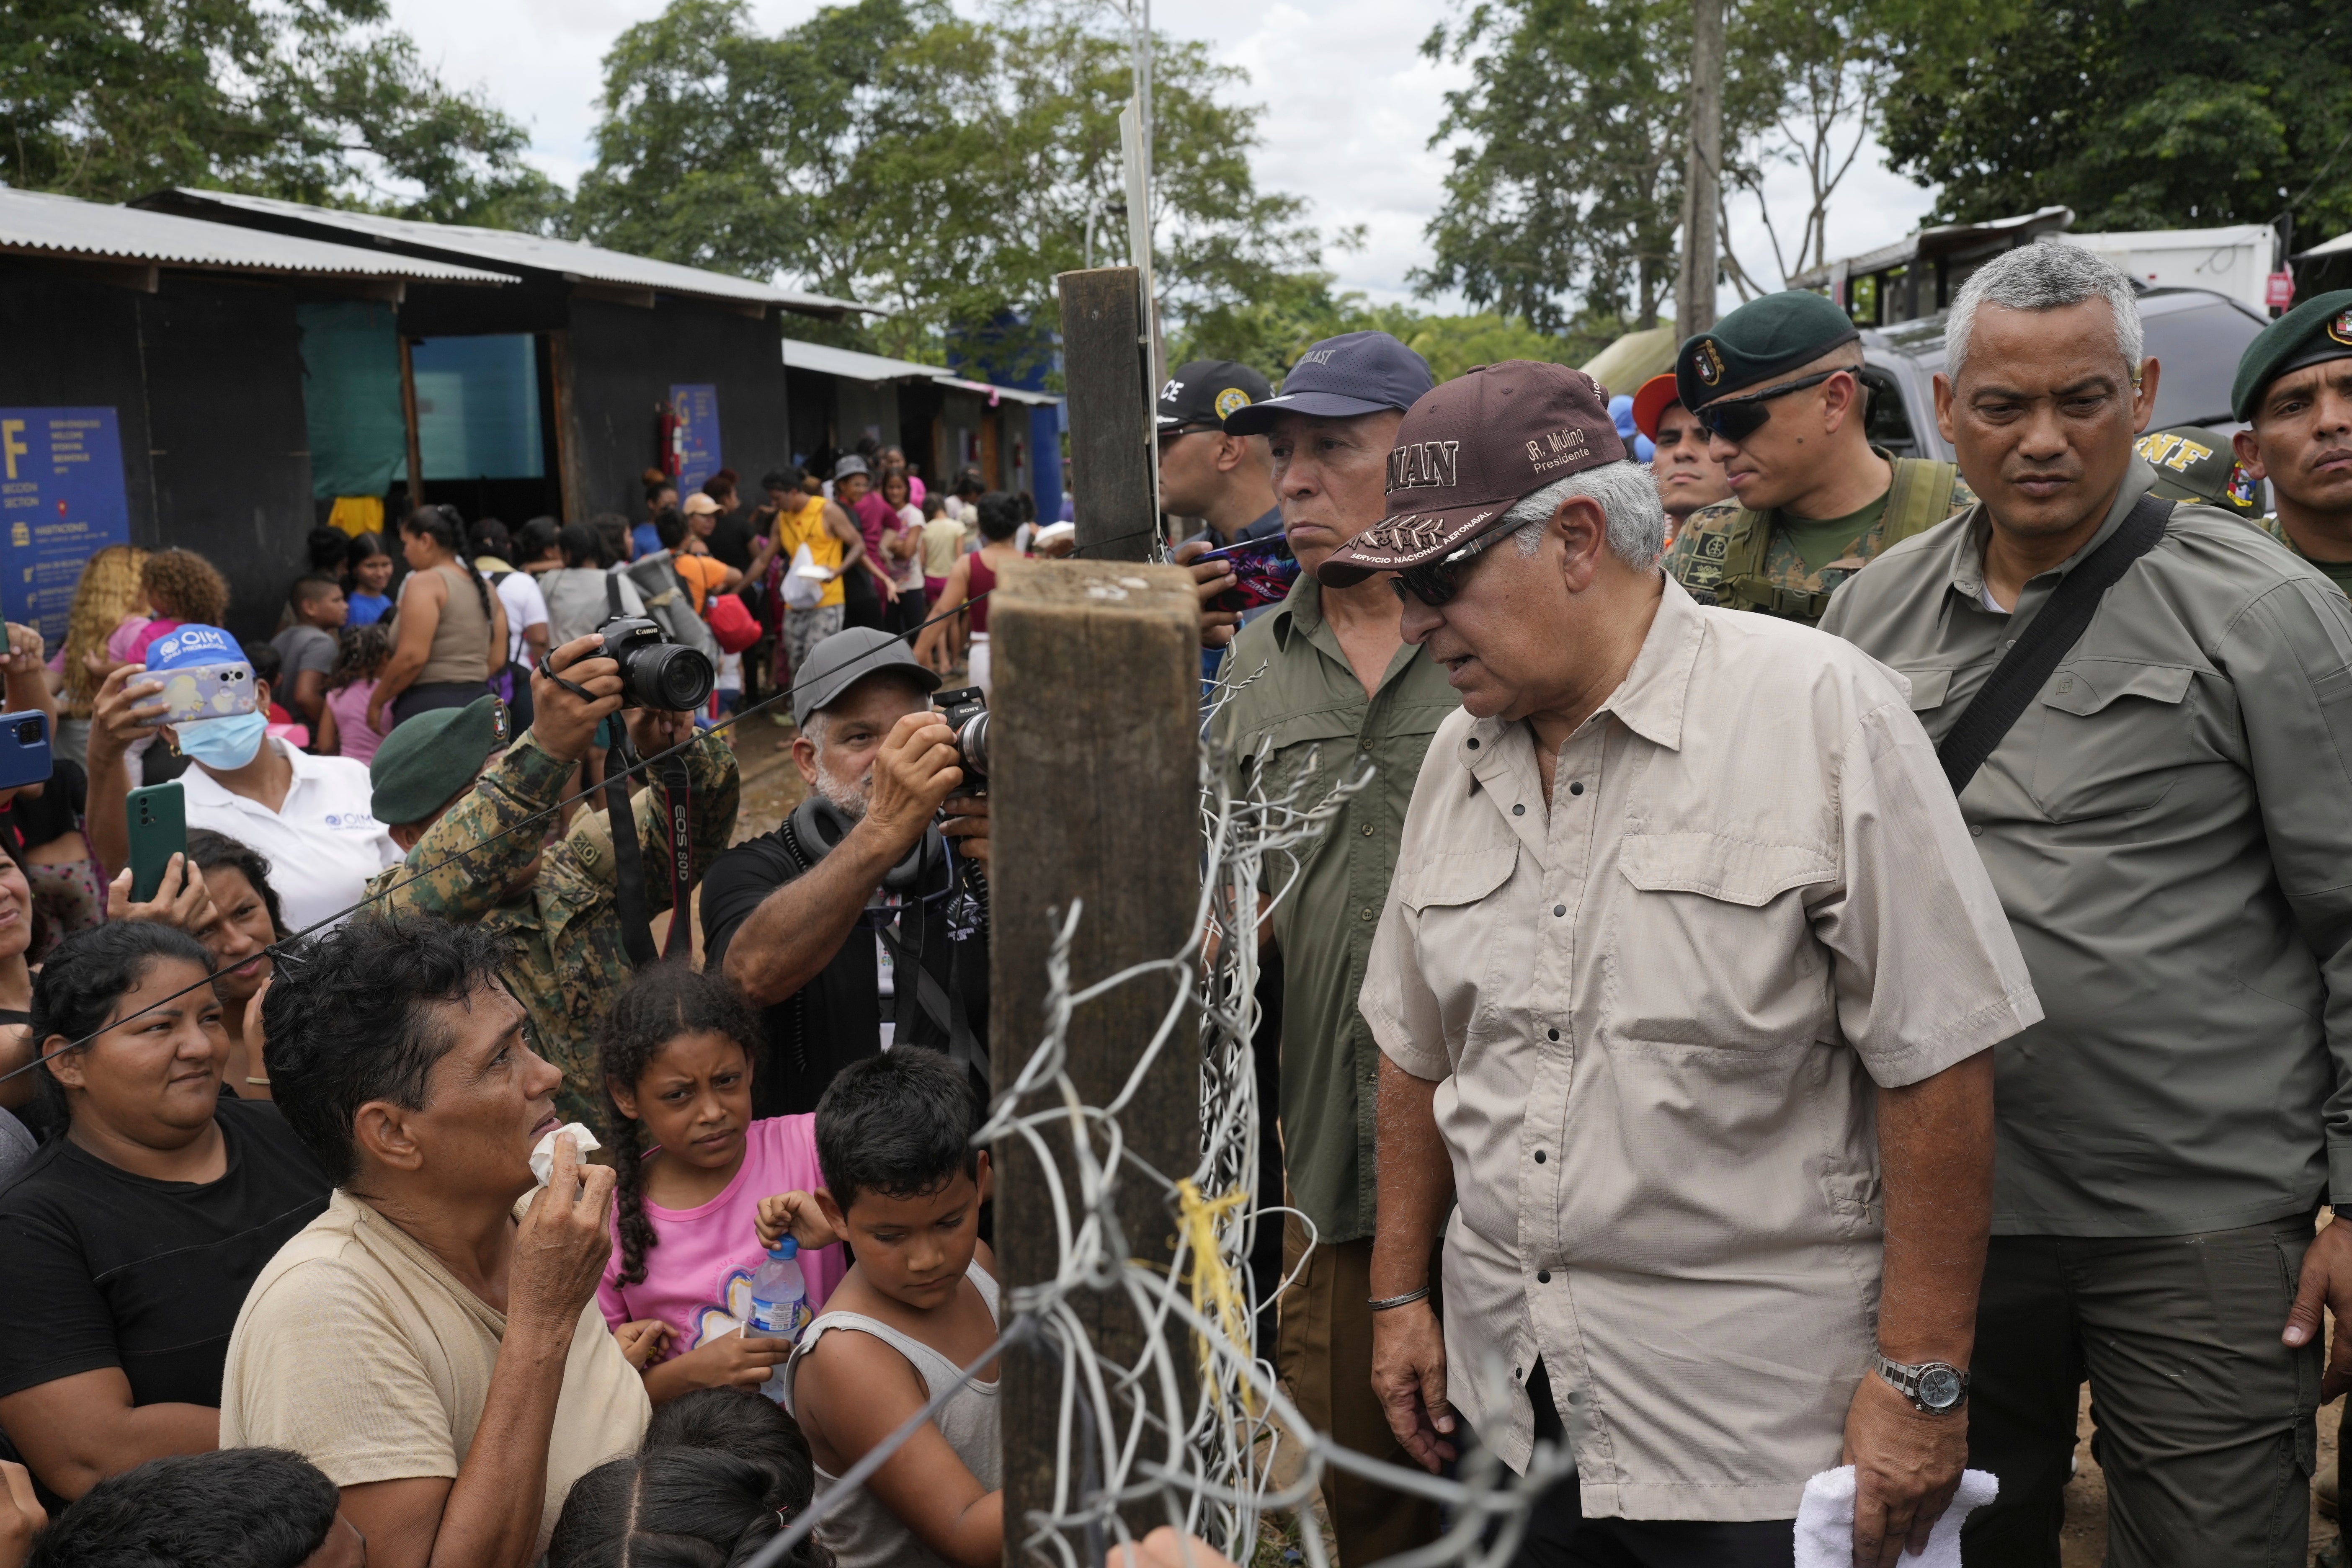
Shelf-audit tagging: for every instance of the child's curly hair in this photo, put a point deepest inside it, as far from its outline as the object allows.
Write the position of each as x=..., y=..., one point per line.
x=109, y=590
x=184, y=586
x=653, y=1008
x=360, y=654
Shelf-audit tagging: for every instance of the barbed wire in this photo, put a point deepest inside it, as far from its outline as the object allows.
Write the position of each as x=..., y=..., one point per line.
x=1198, y=1424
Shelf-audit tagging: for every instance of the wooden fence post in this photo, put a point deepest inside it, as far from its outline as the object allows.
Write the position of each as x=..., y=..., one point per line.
x=1114, y=445
x=1094, y=796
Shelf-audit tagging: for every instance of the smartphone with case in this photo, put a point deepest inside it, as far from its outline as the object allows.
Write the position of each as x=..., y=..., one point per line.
x=23, y=749
x=208, y=691
x=159, y=830
x=1264, y=571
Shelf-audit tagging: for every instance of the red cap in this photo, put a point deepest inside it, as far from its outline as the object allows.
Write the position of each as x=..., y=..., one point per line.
x=1468, y=451
x=1657, y=395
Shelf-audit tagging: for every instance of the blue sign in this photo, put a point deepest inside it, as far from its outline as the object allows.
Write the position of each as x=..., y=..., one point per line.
x=61, y=496
x=696, y=410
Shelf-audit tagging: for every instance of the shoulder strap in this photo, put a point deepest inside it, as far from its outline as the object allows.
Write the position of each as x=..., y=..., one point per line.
x=1919, y=498
x=2060, y=624
x=612, y=597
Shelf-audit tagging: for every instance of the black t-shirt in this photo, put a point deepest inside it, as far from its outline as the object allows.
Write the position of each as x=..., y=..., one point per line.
x=730, y=542
x=836, y=1018
x=106, y=1268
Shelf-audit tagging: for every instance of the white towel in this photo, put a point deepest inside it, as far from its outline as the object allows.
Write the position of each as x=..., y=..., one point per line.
x=1825, y=1521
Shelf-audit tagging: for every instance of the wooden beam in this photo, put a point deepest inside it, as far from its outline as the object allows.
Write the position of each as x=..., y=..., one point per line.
x=1095, y=776
x=571, y=477
x=1114, y=445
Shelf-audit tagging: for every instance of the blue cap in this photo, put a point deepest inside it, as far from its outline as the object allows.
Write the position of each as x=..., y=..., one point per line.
x=786, y=1249
x=184, y=647
x=1339, y=378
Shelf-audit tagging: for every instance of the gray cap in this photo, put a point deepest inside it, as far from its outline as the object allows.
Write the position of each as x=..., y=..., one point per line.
x=849, y=466
x=847, y=658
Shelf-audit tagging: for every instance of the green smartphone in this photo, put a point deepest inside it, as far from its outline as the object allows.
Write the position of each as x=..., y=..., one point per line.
x=159, y=830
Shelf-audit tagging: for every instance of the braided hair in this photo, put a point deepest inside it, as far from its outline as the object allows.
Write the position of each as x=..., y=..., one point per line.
x=656, y=1006
x=443, y=527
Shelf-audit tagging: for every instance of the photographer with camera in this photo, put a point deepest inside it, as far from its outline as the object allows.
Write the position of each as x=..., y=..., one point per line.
x=861, y=921
x=445, y=790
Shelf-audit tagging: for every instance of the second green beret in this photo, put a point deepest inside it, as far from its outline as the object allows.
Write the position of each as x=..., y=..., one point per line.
x=2318, y=329
x=426, y=762
x=1762, y=338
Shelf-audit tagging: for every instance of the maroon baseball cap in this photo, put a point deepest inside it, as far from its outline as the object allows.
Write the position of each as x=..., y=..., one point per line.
x=1466, y=453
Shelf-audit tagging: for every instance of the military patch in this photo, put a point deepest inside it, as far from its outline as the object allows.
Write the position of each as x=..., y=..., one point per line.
x=1713, y=546
x=498, y=724
x=2243, y=486
x=2339, y=329
x=1707, y=362
x=1230, y=399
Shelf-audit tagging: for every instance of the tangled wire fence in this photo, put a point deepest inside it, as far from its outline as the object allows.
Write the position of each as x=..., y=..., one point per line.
x=1197, y=1424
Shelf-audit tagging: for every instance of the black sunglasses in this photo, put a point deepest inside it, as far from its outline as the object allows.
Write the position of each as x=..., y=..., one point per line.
x=1737, y=418
x=1169, y=436
x=1434, y=583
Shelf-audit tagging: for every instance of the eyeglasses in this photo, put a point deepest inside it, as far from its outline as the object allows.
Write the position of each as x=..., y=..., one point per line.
x=1737, y=418
x=1170, y=437
x=1434, y=583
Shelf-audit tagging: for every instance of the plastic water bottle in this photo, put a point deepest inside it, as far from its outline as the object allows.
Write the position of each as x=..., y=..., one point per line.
x=780, y=1307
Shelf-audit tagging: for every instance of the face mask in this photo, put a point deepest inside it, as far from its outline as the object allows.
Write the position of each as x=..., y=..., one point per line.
x=224, y=744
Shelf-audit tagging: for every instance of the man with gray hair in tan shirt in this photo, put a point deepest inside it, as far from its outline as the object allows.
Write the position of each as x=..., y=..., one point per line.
x=1686, y=989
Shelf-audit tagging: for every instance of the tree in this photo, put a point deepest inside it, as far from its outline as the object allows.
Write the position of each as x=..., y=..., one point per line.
x=1830, y=57
x=315, y=100
x=1270, y=332
x=944, y=167
x=2136, y=114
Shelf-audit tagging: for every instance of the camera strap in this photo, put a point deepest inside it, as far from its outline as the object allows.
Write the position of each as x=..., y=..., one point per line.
x=628, y=856
x=933, y=997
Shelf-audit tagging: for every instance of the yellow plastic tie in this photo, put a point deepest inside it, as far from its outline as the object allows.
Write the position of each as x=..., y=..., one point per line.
x=1215, y=1293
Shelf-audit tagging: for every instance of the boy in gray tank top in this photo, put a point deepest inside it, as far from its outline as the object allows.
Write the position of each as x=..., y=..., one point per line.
x=904, y=1186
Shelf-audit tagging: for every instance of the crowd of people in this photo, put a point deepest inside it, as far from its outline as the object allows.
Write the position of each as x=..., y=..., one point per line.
x=1837, y=951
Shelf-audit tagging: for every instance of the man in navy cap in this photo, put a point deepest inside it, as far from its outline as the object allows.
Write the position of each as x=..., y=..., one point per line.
x=2295, y=388
x=1777, y=389
x=1330, y=680
x=1226, y=480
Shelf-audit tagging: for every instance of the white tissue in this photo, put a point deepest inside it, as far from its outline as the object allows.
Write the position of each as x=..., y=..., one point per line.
x=542, y=1158
x=1825, y=1521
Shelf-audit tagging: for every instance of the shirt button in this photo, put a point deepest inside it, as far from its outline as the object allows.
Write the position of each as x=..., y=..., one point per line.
x=1576, y=789
x=1367, y=830
x=1543, y=1276
x=1976, y=830
x=1540, y=1156
x=1367, y=911
x=1559, y=910
x=1519, y=811
x=1365, y=745
x=1474, y=744
x=1552, y=1033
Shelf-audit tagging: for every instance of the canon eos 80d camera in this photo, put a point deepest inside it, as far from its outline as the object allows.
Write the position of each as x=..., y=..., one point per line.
x=965, y=710
x=656, y=672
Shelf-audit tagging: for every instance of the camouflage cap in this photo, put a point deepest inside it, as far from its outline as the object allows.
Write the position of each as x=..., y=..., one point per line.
x=2194, y=464
x=1762, y=338
x=427, y=761
x=2317, y=330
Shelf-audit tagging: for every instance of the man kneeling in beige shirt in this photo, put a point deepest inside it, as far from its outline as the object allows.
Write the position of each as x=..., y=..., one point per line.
x=442, y=1362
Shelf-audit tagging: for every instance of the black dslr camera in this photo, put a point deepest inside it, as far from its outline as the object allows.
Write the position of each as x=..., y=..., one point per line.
x=656, y=672
x=965, y=710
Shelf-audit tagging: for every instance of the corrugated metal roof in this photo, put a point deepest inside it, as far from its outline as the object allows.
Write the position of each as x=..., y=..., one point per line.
x=877, y=370
x=511, y=247
x=37, y=222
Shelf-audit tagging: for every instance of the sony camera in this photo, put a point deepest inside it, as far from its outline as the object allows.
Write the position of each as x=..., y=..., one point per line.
x=656, y=672
x=965, y=710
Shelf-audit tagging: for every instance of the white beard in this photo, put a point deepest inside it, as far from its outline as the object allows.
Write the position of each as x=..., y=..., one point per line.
x=849, y=799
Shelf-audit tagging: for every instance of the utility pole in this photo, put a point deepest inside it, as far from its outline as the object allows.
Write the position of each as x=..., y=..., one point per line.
x=1702, y=197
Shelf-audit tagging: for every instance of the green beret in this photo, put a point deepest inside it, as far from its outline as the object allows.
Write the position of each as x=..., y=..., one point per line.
x=2318, y=329
x=426, y=762
x=2194, y=464
x=1762, y=338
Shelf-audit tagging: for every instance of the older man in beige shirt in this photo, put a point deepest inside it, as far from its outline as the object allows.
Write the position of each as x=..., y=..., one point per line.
x=1685, y=988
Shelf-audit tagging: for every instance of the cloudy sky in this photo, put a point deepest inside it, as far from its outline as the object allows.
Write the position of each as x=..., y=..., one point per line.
x=1350, y=105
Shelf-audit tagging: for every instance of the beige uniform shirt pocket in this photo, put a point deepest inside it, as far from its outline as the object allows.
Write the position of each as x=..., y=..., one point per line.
x=1456, y=943
x=2113, y=738
x=1715, y=947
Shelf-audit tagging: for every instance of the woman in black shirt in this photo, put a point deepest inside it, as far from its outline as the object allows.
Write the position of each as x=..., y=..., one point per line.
x=131, y=1238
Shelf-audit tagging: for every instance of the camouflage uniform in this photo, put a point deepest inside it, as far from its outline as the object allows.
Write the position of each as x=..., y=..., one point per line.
x=1708, y=538
x=564, y=926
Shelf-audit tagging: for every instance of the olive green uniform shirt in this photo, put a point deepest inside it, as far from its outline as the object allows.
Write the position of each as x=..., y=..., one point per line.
x=1307, y=707
x=563, y=924
x=2336, y=572
x=2170, y=827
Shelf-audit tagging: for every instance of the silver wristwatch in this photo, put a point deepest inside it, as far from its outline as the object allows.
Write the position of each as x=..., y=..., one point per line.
x=1933, y=1387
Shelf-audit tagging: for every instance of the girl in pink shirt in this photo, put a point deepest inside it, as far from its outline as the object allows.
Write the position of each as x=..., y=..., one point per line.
x=676, y=1059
